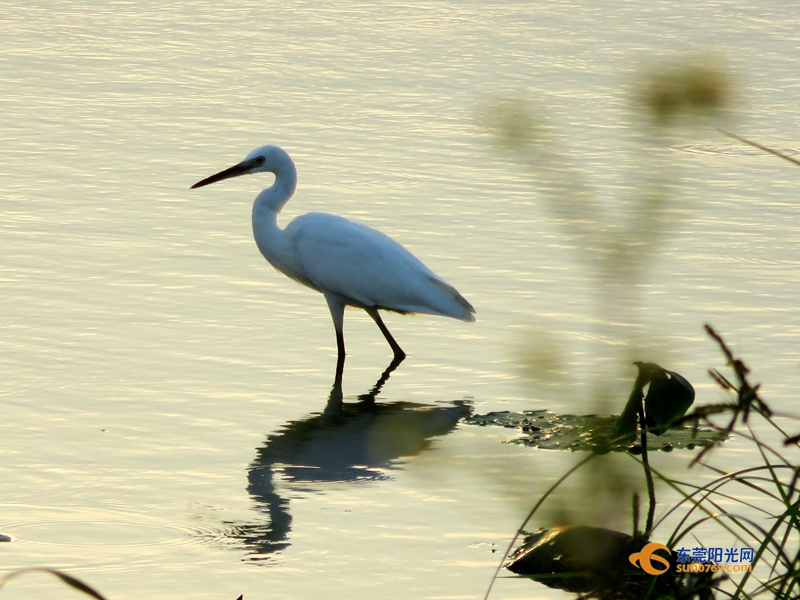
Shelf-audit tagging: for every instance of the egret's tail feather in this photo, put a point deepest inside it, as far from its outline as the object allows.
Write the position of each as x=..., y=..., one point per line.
x=456, y=305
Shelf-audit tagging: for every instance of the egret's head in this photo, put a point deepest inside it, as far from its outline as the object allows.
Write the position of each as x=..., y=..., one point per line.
x=266, y=158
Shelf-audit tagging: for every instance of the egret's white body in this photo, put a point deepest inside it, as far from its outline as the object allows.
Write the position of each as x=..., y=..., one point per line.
x=349, y=263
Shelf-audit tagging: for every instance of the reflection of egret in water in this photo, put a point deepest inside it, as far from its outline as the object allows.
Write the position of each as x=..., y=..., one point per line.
x=347, y=442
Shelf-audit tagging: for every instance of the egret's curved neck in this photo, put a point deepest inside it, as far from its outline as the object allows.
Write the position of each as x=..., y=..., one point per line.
x=267, y=206
x=278, y=194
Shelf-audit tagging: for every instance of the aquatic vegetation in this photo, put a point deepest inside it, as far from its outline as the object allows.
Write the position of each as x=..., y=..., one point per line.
x=767, y=543
x=755, y=507
x=668, y=398
x=552, y=431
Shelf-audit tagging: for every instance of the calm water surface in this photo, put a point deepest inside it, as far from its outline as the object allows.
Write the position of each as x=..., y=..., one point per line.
x=162, y=385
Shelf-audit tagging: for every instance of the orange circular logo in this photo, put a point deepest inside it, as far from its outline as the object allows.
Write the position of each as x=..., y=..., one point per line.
x=642, y=559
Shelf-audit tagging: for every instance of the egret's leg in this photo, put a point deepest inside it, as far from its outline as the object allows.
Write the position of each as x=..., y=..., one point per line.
x=398, y=351
x=340, y=343
x=336, y=306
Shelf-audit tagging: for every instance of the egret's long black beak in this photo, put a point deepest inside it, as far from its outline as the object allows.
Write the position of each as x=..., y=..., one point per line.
x=243, y=168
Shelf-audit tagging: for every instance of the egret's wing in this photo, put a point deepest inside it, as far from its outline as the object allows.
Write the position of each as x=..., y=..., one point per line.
x=369, y=268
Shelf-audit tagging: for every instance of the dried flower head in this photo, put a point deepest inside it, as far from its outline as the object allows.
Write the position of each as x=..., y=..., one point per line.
x=688, y=87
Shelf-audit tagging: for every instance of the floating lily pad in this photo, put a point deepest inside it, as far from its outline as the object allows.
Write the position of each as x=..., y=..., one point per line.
x=544, y=429
x=596, y=562
x=577, y=559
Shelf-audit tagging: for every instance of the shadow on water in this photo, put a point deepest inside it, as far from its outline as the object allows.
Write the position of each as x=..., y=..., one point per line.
x=348, y=442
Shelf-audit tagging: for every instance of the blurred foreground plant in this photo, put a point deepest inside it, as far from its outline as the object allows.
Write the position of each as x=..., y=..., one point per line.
x=617, y=247
x=69, y=580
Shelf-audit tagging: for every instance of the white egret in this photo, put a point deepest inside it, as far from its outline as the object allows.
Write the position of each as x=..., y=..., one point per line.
x=349, y=263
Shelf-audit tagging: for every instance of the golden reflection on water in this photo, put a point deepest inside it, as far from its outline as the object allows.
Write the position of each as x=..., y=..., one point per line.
x=147, y=349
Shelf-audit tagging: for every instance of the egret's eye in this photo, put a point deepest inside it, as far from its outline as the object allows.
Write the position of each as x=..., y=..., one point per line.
x=260, y=160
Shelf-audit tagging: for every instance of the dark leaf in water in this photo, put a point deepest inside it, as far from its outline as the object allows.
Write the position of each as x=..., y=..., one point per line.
x=577, y=559
x=596, y=563
x=667, y=400
x=669, y=396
